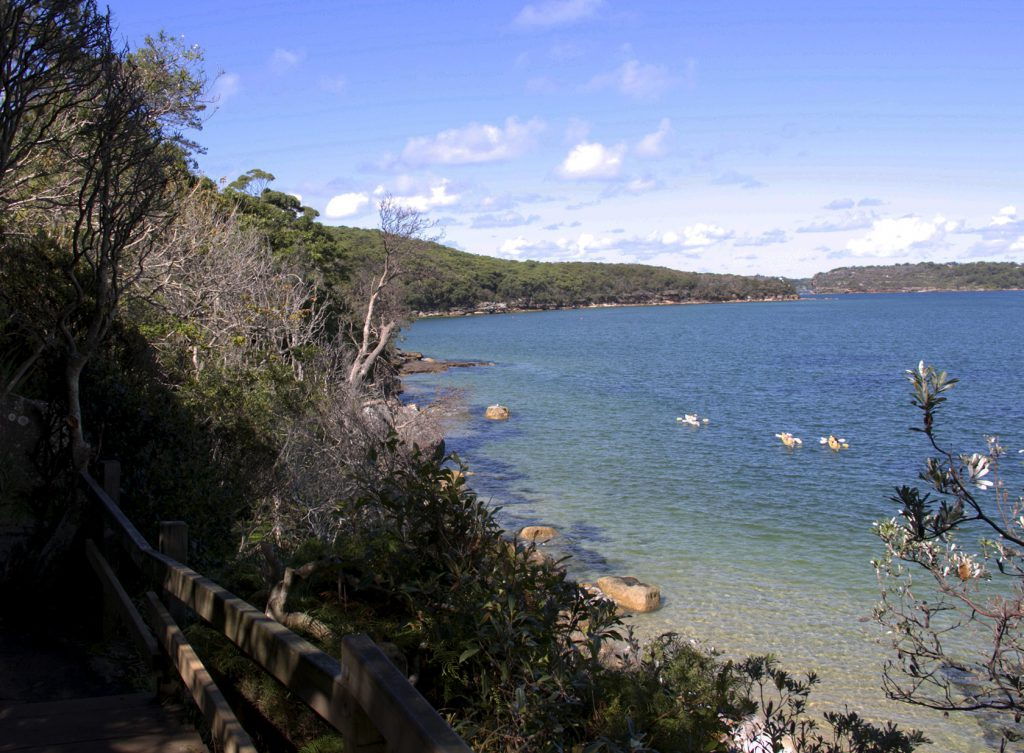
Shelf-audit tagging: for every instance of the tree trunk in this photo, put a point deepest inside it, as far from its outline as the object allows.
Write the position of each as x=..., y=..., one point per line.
x=72, y=380
x=283, y=578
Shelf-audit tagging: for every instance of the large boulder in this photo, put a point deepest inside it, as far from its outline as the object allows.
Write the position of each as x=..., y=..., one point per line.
x=629, y=593
x=538, y=534
x=497, y=413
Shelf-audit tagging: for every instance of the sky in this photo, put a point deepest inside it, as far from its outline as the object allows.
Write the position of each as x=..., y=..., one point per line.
x=783, y=138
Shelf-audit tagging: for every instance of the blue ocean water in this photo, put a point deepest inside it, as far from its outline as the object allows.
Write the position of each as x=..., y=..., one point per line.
x=756, y=548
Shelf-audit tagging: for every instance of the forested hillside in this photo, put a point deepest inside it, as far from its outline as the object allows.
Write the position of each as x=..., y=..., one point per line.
x=440, y=278
x=894, y=278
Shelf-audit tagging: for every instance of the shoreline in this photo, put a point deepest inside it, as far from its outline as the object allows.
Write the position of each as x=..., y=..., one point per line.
x=916, y=290
x=487, y=308
x=553, y=549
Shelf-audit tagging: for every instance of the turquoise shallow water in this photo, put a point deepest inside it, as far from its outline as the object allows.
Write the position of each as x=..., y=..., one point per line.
x=756, y=548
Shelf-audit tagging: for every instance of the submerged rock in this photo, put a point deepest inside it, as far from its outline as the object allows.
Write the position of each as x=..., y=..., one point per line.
x=630, y=593
x=538, y=534
x=497, y=413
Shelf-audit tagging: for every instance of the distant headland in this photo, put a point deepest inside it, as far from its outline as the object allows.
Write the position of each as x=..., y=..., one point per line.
x=916, y=278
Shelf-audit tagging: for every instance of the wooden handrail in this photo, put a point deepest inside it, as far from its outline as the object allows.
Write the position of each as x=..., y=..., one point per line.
x=363, y=690
x=118, y=598
x=228, y=733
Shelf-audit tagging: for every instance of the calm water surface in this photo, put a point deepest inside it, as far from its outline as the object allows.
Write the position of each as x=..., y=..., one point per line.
x=756, y=548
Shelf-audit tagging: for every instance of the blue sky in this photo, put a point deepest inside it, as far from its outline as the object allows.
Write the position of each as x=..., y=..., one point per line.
x=780, y=138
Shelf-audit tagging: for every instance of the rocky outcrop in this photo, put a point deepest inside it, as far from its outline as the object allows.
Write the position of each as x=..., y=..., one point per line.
x=417, y=363
x=497, y=413
x=630, y=594
x=538, y=534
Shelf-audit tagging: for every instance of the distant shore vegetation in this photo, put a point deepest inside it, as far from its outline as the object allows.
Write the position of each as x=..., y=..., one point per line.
x=925, y=276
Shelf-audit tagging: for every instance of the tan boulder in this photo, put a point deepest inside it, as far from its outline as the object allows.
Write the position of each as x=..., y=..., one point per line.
x=630, y=593
x=538, y=534
x=496, y=413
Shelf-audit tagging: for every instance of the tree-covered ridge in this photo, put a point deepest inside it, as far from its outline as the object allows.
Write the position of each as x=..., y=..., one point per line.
x=441, y=278
x=895, y=278
x=438, y=278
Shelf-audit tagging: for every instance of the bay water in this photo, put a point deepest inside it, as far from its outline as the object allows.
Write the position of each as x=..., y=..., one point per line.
x=756, y=548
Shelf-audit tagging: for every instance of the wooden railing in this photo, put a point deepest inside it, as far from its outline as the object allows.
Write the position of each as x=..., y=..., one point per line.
x=362, y=695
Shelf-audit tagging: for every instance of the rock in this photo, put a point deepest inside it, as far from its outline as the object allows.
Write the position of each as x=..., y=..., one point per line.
x=497, y=413
x=434, y=366
x=630, y=593
x=543, y=558
x=538, y=534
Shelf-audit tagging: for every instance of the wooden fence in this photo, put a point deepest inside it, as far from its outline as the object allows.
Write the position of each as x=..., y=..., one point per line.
x=362, y=695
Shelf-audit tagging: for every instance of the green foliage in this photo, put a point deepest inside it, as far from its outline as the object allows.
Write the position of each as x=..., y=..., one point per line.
x=894, y=278
x=202, y=450
x=440, y=278
x=287, y=719
x=781, y=700
x=950, y=577
x=252, y=182
x=507, y=644
x=677, y=697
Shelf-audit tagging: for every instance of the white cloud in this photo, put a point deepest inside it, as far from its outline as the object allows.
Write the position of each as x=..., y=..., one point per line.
x=298, y=196
x=587, y=242
x=282, y=60
x=515, y=246
x=437, y=196
x=853, y=221
x=225, y=87
x=475, y=143
x=564, y=248
x=703, y=234
x=345, y=205
x=642, y=185
x=635, y=79
x=840, y=204
x=1003, y=234
x=592, y=160
x=653, y=144
x=556, y=13
x=1006, y=215
x=848, y=203
x=697, y=235
x=767, y=238
x=894, y=236
x=503, y=219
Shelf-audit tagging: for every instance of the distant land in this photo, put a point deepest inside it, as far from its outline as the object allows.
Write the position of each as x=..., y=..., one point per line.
x=912, y=278
x=443, y=280
x=438, y=279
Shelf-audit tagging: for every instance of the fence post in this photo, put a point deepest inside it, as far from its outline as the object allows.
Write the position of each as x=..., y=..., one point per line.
x=173, y=541
x=111, y=472
x=110, y=478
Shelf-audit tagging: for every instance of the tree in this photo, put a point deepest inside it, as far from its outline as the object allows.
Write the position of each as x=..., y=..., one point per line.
x=48, y=71
x=958, y=632
x=223, y=296
x=254, y=182
x=92, y=174
x=401, y=230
